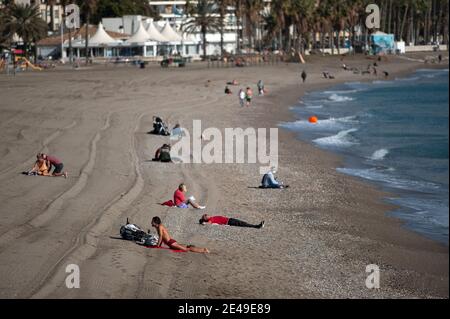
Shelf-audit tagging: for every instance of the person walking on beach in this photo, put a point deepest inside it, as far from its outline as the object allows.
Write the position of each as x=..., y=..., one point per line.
x=261, y=87
x=304, y=76
x=249, y=96
x=241, y=97
x=221, y=220
x=164, y=238
x=53, y=162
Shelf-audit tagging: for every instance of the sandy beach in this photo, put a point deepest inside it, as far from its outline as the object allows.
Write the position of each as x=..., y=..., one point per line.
x=320, y=234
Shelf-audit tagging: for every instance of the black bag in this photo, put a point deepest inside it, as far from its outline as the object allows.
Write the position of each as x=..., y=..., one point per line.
x=132, y=232
x=165, y=157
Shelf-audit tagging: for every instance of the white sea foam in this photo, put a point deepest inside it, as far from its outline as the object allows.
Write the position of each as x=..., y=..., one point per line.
x=314, y=106
x=341, y=139
x=374, y=174
x=379, y=155
x=339, y=98
x=331, y=124
x=342, y=91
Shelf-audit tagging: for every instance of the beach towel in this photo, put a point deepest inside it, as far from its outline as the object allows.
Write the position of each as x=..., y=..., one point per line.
x=169, y=203
x=172, y=250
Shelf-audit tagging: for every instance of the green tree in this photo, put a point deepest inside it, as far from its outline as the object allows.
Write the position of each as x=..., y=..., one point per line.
x=223, y=10
x=253, y=18
x=87, y=7
x=119, y=8
x=203, y=16
x=25, y=22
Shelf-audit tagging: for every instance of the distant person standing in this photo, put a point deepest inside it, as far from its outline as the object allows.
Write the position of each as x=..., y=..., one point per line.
x=440, y=58
x=304, y=76
x=249, y=96
x=242, y=96
x=261, y=87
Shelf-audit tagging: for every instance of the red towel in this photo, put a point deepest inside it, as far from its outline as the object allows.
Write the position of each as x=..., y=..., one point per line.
x=169, y=203
x=172, y=250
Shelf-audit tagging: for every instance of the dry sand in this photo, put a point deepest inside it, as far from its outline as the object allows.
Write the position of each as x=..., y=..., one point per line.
x=320, y=234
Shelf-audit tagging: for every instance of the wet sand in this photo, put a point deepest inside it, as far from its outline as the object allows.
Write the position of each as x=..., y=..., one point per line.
x=319, y=237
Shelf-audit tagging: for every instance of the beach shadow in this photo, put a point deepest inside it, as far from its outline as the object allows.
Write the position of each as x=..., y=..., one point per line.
x=117, y=238
x=253, y=187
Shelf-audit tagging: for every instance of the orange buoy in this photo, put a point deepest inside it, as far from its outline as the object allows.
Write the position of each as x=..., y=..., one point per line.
x=313, y=120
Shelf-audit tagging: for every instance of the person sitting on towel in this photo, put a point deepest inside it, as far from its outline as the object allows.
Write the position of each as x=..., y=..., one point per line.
x=221, y=220
x=163, y=154
x=227, y=90
x=180, y=200
x=164, y=238
x=269, y=180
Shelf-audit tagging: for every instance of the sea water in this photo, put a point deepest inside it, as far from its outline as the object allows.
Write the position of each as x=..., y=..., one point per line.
x=393, y=133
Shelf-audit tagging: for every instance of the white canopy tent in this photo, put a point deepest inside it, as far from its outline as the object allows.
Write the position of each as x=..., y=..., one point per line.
x=101, y=38
x=102, y=43
x=141, y=38
x=154, y=33
x=169, y=33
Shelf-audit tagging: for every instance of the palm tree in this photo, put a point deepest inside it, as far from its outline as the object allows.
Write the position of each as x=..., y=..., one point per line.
x=252, y=13
x=51, y=4
x=223, y=10
x=238, y=11
x=25, y=21
x=64, y=4
x=87, y=7
x=3, y=35
x=204, y=16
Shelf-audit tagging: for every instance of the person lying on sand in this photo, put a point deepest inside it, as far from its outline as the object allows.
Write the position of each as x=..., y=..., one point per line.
x=221, y=220
x=327, y=75
x=234, y=82
x=164, y=238
x=163, y=154
x=269, y=180
x=53, y=162
x=180, y=200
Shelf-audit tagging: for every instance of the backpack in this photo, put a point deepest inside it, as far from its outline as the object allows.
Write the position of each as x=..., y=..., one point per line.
x=135, y=233
x=165, y=157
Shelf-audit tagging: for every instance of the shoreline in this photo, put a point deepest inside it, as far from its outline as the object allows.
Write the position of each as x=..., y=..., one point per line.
x=319, y=237
x=391, y=193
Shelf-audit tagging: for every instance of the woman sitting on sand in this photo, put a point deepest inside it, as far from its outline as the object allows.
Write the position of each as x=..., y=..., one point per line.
x=180, y=200
x=227, y=90
x=165, y=238
x=40, y=167
x=163, y=154
x=269, y=180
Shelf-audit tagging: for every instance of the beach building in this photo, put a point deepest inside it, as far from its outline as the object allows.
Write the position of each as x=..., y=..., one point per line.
x=382, y=43
x=173, y=12
x=102, y=43
x=151, y=38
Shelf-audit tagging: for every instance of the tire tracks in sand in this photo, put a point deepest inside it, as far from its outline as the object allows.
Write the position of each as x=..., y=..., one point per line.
x=85, y=244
